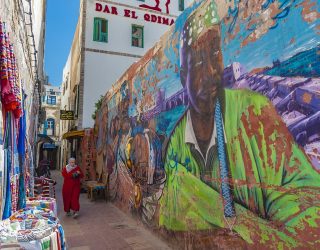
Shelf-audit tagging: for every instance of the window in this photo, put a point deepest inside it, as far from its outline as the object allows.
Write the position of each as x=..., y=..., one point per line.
x=100, y=30
x=50, y=123
x=50, y=126
x=51, y=100
x=137, y=36
x=181, y=5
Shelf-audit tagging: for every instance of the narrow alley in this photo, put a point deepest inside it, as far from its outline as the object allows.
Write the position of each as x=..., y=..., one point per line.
x=195, y=122
x=101, y=225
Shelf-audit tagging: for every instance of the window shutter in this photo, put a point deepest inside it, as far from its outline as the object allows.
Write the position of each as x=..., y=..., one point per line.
x=181, y=5
x=96, y=29
x=104, y=37
x=137, y=36
x=104, y=31
x=100, y=30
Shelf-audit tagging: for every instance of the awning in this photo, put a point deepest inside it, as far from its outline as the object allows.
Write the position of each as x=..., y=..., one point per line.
x=49, y=146
x=73, y=134
x=44, y=138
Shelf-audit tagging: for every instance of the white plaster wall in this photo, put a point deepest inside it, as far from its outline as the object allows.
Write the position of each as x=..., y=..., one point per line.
x=101, y=71
x=64, y=102
x=65, y=81
x=119, y=28
x=38, y=20
x=173, y=5
x=55, y=114
x=54, y=88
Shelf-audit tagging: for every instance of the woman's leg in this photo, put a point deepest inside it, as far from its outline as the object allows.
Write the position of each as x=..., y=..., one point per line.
x=75, y=205
x=66, y=195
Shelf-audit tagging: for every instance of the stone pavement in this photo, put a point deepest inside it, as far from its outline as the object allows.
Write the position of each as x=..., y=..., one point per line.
x=101, y=225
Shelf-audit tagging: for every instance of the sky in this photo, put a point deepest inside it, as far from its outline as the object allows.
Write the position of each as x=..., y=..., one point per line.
x=62, y=18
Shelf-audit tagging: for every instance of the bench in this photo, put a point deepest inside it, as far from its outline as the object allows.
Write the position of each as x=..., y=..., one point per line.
x=94, y=187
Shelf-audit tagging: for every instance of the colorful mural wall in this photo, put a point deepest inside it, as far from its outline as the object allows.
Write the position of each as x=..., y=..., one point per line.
x=214, y=135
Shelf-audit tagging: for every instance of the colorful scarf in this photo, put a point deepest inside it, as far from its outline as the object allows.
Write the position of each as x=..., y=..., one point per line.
x=69, y=168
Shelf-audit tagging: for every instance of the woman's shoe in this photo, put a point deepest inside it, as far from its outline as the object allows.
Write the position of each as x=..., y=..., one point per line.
x=69, y=214
x=75, y=215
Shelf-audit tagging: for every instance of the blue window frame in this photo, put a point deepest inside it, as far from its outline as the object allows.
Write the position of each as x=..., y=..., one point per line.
x=50, y=125
x=52, y=100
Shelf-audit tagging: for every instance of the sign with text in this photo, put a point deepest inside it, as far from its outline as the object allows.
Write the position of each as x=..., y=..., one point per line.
x=66, y=115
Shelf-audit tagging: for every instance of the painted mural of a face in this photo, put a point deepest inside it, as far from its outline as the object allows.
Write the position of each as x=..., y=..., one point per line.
x=104, y=124
x=201, y=70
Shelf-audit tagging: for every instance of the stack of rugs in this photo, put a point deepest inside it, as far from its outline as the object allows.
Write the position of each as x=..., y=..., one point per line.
x=44, y=187
x=32, y=229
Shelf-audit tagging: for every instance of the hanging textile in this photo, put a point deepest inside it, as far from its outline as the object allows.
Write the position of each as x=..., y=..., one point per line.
x=12, y=174
x=30, y=171
x=22, y=151
x=10, y=82
x=2, y=164
x=15, y=166
x=7, y=167
x=4, y=80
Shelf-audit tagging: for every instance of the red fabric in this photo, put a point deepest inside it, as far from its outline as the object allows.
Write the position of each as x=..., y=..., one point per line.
x=58, y=240
x=9, y=76
x=71, y=189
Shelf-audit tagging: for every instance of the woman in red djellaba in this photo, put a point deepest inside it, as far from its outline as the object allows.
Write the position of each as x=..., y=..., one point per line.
x=71, y=188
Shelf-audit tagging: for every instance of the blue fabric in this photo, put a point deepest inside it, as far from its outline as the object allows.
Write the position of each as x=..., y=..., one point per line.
x=7, y=156
x=16, y=165
x=22, y=151
x=22, y=134
x=61, y=232
x=229, y=210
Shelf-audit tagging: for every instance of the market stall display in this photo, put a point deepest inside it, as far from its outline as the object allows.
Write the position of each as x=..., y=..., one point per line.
x=12, y=155
x=33, y=228
x=42, y=202
x=44, y=187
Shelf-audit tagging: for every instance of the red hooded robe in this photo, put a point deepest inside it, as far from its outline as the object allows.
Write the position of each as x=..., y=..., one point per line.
x=71, y=189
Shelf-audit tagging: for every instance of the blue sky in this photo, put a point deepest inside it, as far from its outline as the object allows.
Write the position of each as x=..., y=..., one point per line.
x=62, y=17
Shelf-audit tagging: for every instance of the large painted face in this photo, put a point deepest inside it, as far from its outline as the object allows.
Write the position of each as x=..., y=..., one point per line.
x=201, y=72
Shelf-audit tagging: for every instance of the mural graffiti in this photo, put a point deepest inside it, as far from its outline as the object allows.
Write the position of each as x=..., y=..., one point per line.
x=157, y=6
x=213, y=136
x=88, y=155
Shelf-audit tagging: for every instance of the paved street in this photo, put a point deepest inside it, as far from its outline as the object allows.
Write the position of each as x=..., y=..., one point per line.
x=101, y=225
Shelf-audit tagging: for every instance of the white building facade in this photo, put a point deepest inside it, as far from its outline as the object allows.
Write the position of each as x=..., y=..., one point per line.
x=115, y=34
x=49, y=149
x=50, y=102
